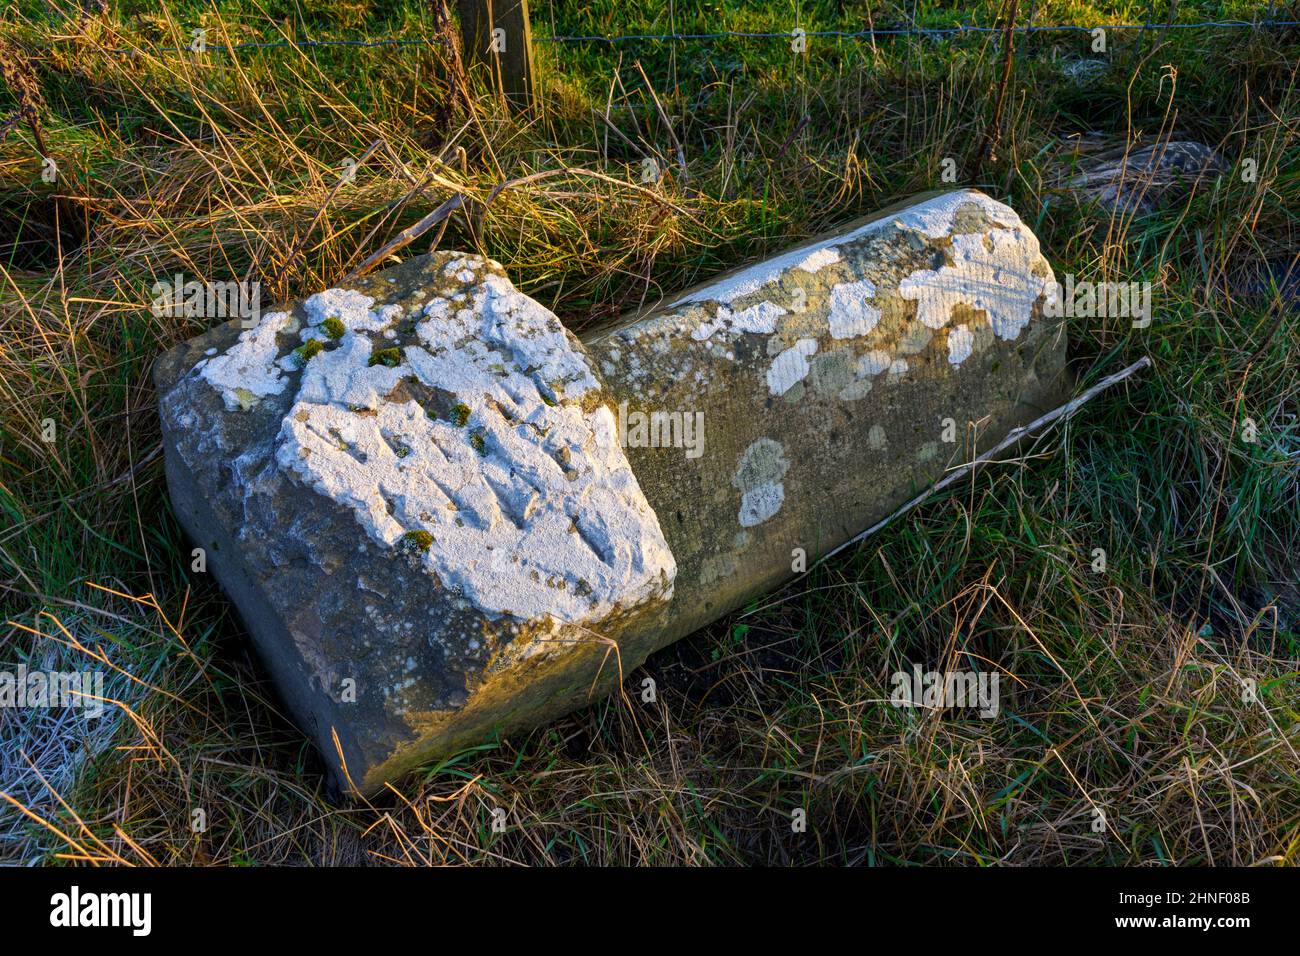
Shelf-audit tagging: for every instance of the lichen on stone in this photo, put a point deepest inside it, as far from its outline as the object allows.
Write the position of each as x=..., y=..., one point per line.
x=918, y=289
x=517, y=497
x=960, y=344
x=790, y=366
x=248, y=370
x=759, y=475
x=851, y=315
x=991, y=272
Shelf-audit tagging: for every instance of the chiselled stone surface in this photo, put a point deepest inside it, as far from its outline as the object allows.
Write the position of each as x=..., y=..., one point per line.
x=440, y=514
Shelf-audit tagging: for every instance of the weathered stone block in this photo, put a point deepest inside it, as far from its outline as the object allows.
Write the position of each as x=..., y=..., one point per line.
x=440, y=514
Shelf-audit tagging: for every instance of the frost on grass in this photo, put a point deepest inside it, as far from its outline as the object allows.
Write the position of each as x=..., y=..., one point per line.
x=468, y=437
x=45, y=752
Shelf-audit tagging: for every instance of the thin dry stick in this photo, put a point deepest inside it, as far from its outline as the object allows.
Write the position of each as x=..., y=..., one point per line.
x=415, y=192
x=993, y=132
x=871, y=24
x=1013, y=436
x=621, y=135
x=408, y=235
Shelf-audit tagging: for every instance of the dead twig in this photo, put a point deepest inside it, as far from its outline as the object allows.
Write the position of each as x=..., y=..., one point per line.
x=408, y=235
x=993, y=132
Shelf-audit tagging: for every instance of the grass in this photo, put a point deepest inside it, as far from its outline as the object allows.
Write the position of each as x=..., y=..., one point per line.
x=1128, y=733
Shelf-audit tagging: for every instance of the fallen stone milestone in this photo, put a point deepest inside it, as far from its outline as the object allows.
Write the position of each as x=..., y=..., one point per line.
x=441, y=515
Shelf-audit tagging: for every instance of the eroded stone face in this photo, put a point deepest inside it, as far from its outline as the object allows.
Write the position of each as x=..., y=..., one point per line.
x=417, y=484
x=459, y=433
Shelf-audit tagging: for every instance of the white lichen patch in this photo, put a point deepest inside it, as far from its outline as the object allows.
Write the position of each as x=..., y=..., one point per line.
x=819, y=258
x=345, y=377
x=760, y=318
x=465, y=444
x=991, y=272
x=936, y=218
x=759, y=475
x=759, y=504
x=351, y=308
x=960, y=344
x=851, y=314
x=874, y=362
x=866, y=368
x=790, y=366
x=248, y=371
x=503, y=327
x=855, y=390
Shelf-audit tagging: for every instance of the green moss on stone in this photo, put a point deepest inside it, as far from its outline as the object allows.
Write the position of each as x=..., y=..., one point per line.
x=333, y=327
x=417, y=540
x=390, y=358
x=308, y=350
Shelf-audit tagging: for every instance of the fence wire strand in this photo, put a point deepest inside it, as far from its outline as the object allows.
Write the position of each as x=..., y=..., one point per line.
x=960, y=30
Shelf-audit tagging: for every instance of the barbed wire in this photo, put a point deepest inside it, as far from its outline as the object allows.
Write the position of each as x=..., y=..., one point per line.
x=282, y=44
x=870, y=33
x=924, y=31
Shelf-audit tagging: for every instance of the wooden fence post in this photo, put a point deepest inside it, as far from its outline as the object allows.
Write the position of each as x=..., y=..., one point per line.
x=497, y=33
